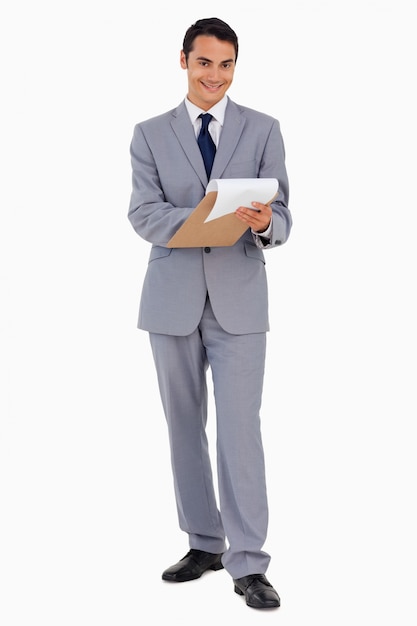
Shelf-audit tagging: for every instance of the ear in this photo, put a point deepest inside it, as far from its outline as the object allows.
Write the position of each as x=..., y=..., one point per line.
x=183, y=60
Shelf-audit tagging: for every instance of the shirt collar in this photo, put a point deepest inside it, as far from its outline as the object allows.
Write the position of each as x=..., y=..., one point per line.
x=217, y=111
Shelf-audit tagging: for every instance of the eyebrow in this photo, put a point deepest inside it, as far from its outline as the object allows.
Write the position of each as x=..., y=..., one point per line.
x=210, y=61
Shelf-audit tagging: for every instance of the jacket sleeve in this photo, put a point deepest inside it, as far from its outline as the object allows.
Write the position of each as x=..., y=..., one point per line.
x=152, y=217
x=273, y=166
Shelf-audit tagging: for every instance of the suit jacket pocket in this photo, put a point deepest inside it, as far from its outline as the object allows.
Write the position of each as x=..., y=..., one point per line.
x=252, y=251
x=241, y=169
x=158, y=252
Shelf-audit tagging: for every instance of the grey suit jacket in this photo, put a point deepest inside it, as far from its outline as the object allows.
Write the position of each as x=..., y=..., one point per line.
x=169, y=180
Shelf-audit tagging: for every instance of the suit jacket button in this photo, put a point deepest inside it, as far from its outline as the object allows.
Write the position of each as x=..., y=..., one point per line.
x=207, y=249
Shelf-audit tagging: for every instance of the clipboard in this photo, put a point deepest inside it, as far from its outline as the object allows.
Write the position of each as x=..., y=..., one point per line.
x=196, y=232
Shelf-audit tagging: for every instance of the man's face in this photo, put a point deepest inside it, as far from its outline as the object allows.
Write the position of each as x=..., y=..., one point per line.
x=210, y=69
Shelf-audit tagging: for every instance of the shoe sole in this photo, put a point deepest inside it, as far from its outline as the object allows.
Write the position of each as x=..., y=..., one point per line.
x=216, y=567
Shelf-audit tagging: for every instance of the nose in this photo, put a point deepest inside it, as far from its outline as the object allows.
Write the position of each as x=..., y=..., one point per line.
x=213, y=75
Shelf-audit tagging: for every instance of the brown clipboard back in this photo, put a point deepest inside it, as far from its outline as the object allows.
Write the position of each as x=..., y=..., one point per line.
x=195, y=233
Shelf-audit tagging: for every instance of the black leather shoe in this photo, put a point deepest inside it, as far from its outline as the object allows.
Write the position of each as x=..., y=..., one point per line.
x=192, y=565
x=258, y=591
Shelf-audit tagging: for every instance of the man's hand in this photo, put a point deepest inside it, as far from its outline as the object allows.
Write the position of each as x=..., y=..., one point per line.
x=258, y=218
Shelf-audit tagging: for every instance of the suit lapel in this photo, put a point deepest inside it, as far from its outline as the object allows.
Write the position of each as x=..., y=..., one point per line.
x=234, y=123
x=184, y=132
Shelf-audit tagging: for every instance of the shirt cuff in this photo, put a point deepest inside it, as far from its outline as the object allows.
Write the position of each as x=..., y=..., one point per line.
x=265, y=233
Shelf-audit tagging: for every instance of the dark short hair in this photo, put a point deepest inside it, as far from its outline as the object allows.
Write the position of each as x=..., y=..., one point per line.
x=213, y=27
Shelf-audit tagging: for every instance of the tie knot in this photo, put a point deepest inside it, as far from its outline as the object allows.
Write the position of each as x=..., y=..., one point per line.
x=205, y=120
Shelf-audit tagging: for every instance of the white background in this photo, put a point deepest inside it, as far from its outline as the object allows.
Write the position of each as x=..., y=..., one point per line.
x=88, y=520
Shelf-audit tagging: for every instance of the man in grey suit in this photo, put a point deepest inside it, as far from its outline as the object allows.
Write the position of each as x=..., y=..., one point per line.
x=208, y=308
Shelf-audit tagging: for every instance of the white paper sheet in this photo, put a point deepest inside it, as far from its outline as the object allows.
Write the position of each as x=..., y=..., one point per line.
x=235, y=192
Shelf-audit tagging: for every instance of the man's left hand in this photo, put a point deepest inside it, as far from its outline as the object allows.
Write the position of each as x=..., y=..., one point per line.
x=258, y=218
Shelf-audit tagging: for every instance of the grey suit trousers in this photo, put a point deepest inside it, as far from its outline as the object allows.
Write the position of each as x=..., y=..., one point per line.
x=237, y=525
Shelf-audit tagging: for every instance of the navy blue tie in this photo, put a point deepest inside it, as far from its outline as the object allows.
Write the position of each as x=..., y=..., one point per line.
x=206, y=143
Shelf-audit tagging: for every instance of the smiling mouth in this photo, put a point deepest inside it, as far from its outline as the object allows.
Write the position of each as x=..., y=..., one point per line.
x=212, y=87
